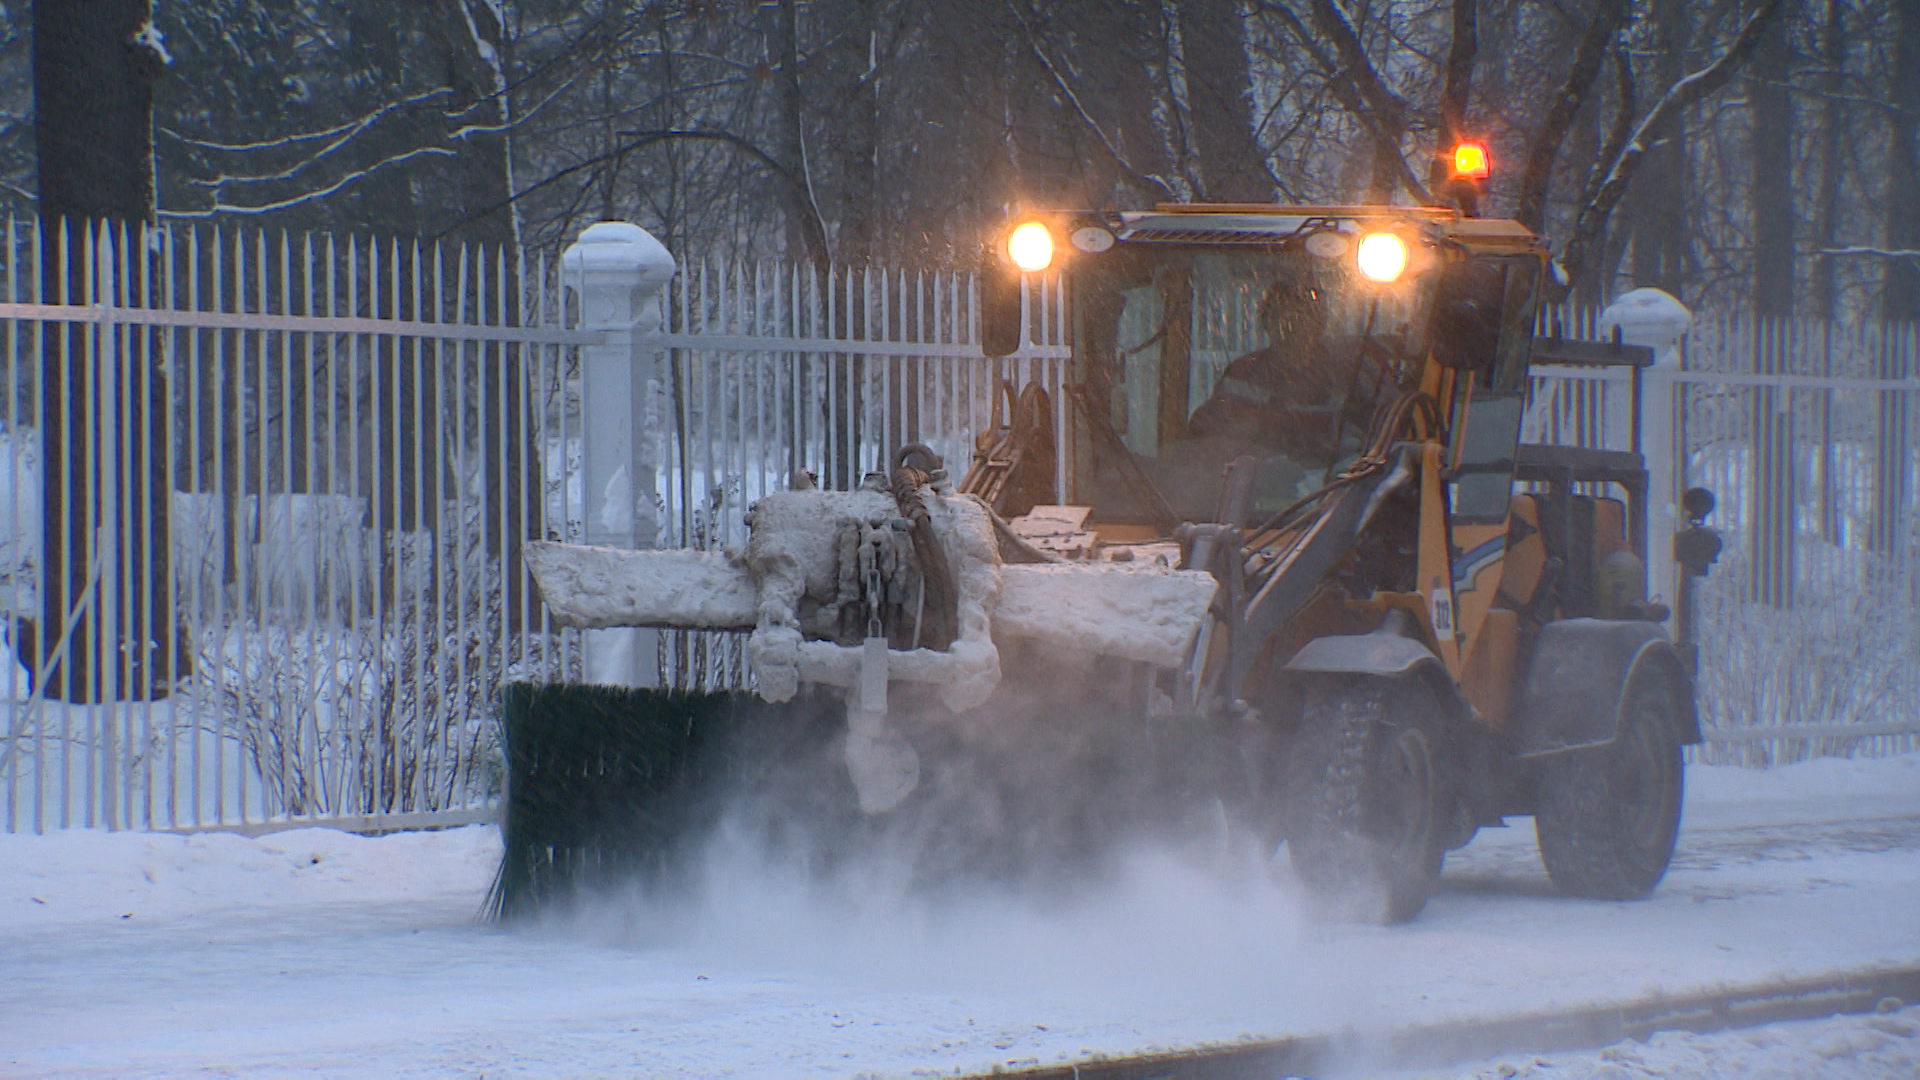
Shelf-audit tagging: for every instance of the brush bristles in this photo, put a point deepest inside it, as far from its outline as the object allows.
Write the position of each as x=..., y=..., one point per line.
x=602, y=783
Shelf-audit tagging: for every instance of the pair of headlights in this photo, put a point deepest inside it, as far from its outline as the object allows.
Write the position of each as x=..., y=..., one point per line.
x=1380, y=256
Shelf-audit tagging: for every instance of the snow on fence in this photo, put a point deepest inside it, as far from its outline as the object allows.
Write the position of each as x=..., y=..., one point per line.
x=262, y=498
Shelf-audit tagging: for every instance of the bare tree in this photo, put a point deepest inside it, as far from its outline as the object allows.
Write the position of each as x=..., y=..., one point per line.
x=1834, y=123
x=1770, y=160
x=105, y=588
x=1900, y=298
x=841, y=132
x=1665, y=113
x=1545, y=146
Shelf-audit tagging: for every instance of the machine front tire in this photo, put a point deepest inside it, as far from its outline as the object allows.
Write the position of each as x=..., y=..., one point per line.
x=1366, y=783
x=1607, y=816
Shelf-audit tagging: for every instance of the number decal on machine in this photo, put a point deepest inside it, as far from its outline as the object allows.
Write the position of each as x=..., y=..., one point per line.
x=1441, y=605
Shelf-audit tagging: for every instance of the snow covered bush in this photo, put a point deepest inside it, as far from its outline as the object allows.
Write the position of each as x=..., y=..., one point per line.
x=1847, y=652
x=387, y=712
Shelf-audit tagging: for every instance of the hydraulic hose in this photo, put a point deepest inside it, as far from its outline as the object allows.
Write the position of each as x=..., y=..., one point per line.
x=940, y=608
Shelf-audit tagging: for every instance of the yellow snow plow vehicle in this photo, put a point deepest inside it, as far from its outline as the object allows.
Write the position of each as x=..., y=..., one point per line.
x=1306, y=584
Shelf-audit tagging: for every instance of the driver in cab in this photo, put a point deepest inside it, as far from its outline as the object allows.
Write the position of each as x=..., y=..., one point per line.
x=1284, y=395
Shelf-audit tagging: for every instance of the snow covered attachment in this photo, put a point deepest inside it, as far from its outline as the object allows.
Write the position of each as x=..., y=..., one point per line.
x=900, y=582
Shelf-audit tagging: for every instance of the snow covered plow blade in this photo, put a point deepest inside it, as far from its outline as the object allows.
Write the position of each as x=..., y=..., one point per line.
x=886, y=624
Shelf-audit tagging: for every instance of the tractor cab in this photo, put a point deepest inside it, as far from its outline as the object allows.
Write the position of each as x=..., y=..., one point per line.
x=1204, y=335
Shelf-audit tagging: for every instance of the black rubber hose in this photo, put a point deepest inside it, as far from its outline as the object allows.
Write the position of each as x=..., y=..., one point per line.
x=940, y=615
x=928, y=460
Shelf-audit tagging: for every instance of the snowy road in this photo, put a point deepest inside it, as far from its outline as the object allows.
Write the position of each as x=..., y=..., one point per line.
x=313, y=953
x=1866, y=1047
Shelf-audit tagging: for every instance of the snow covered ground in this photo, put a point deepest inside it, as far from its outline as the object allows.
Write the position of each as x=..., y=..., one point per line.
x=1868, y=1047
x=321, y=954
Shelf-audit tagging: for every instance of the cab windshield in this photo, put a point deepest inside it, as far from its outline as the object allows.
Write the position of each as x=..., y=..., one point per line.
x=1193, y=357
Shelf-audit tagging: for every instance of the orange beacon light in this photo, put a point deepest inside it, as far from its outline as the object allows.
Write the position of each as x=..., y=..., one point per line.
x=1470, y=161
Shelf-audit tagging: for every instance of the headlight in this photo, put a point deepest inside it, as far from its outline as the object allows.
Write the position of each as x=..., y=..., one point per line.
x=1031, y=247
x=1382, y=256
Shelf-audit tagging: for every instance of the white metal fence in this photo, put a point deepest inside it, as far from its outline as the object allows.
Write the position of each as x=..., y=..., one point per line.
x=260, y=517
x=264, y=494
x=262, y=499
x=1807, y=434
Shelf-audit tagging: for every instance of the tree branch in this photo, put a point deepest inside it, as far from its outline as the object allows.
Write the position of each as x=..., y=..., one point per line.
x=1334, y=26
x=1455, y=93
x=339, y=184
x=1545, y=147
x=1458, y=88
x=1883, y=253
x=1622, y=129
x=1346, y=90
x=1683, y=94
x=640, y=140
x=1180, y=138
x=1080, y=109
x=338, y=133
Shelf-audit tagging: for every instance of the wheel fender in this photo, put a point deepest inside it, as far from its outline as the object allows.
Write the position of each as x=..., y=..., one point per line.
x=1577, y=680
x=1381, y=654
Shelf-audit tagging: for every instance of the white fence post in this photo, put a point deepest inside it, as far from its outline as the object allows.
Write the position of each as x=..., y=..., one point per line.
x=1656, y=320
x=619, y=270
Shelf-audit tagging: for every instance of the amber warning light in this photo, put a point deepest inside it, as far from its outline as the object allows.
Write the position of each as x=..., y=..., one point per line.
x=1470, y=161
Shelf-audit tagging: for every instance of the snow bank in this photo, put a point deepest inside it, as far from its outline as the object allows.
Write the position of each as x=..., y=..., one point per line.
x=1819, y=790
x=85, y=875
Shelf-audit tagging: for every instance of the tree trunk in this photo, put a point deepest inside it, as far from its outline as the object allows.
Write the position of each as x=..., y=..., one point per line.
x=475, y=54
x=1455, y=93
x=93, y=108
x=1823, y=290
x=1900, y=295
x=804, y=229
x=1589, y=56
x=1383, y=177
x=384, y=202
x=859, y=141
x=107, y=468
x=1834, y=118
x=1662, y=232
x=1770, y=157
x=1220, y=91
x=1172, y=114
x=1770, y=206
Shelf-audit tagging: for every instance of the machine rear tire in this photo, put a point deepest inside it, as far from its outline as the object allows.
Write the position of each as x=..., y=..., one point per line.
x=1608, y=816
x=1366, y=782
